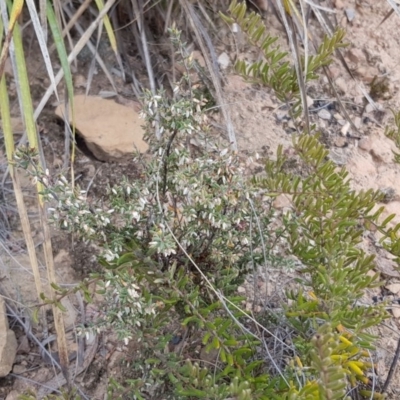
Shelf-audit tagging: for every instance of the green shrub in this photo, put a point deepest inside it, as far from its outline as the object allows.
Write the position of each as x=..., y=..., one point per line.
x=177, y=243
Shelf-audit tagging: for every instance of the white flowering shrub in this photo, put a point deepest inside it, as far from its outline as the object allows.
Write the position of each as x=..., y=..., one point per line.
x=173, y=245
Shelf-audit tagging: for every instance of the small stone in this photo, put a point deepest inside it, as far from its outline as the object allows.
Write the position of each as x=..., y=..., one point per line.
x=350, y=14
x=282, y=201
x=396, y=312
x=339, y=4
x=281, y=116
x=365, y=144
x=345, y=128
x=23, y=347
x=8, y=342
x=359, y=100
x=342, y=84
x=369, y=108
x=355, y=55
x=80, y=81
x=393, y=288
x=199, y=58
x=241, y=289
x=357, y=122
x=337, y=116
x=310, y=101
x=223, y=60
x=257, y=309
x=340, y=141
x=111, y=131
x=19, y=369
x=13, y=395
x=324, y=114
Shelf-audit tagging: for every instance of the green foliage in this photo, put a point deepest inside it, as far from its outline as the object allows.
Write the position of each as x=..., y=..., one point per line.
x=324, y=229
x=275, y=70
x=177, y=243
x=394, y=134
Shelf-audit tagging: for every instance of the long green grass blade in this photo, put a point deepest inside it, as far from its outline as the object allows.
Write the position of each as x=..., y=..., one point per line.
x=23, y=83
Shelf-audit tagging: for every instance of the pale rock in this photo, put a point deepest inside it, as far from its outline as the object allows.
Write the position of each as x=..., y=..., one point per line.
x=19, y=369
x=282, y=201
x=310, y=101
x=393, y=288
x=8, y=342
x=339, y=4
x=257, y=309
x=345, y=128
x=13, y=395
x=223, y=60
x=80, y=81
x=396, y=312
x=324, y=114
x=365, y=144
x=112, y=132
x=241, y=289
x=350, y=14
x=337, y=116
x=355, y=55
x=199, y=58
x=342, y=84
x=24, y=347
x=340, y=141
x=357, y=122
x=371, y=273
x=358, y=100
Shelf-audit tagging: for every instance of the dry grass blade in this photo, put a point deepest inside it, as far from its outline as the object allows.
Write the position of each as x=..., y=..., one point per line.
x=77, y=49
x=137, y=6
x=41, y=36
x=395, y=6
x=9, y=26
x=27, y=112
x=208, y=52
x=285, y=11
x=22, y=211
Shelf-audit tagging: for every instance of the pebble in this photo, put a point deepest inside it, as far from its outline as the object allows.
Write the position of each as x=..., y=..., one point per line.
x=324, y=114
x=355, y=55
x=365, y=143
x=350, y=14
x=337, y=116
x=357, y=122
x=340, y=141
x=310, y=101
x=345, y=128
x=224, y=60
x=341, y=84
x=339, y=4
x=282, y=115
x=19, y=369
